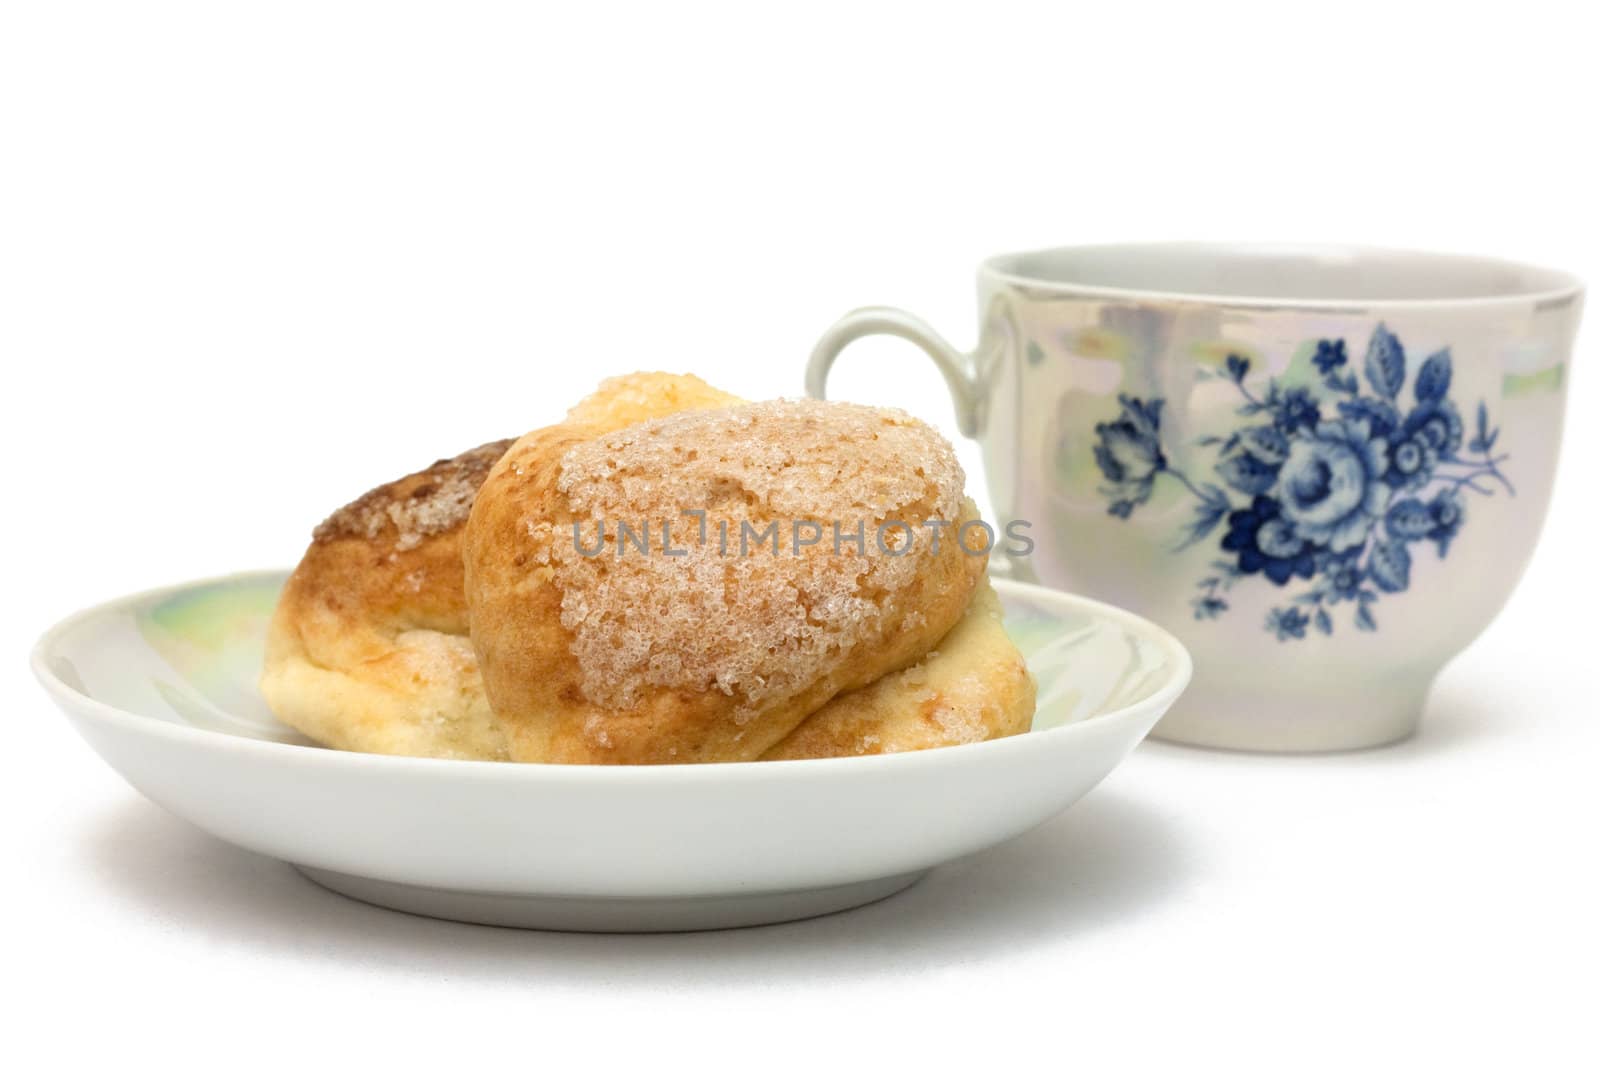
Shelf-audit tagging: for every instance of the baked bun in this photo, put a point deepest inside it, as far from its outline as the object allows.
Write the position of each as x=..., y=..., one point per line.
x=368, y=647
x=629, y=399
x=603, y=638
x=783, y=654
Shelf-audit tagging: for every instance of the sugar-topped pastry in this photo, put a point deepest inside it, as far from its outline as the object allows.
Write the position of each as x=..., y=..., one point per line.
x=668, y=575
x=368, y=648
x=693, y=588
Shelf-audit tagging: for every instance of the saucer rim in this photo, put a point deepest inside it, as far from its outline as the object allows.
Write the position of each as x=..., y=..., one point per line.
x=114, y=717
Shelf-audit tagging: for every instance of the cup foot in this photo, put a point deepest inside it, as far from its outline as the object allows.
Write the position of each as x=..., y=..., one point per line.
x=1329, y=718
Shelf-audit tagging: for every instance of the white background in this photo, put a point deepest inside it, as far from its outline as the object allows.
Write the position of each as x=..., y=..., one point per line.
x=255, y=258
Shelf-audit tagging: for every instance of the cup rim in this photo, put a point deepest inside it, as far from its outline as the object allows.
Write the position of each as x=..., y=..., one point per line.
x=1547, y=286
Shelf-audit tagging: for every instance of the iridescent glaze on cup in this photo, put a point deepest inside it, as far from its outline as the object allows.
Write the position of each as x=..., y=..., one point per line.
x=1324, y=469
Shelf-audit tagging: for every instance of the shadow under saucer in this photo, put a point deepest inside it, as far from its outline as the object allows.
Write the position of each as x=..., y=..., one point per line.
x=1100, y=864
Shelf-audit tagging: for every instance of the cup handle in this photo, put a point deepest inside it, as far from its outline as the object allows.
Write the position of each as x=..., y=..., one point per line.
x=959, y=370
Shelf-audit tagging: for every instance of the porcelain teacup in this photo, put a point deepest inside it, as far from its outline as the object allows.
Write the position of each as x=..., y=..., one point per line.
x=1323, y=468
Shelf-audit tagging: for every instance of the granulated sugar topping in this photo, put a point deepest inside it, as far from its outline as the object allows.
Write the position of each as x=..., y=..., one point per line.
x=418, y=506
x=708, y=603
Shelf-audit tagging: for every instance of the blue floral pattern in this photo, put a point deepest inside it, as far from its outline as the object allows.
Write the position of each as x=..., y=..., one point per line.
x=1331, y=486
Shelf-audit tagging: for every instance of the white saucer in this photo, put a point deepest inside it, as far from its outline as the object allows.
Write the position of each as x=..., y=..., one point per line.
x=163, y=686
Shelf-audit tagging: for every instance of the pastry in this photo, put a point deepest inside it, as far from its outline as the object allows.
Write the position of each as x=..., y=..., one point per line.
x=798, y=647
x=626, y=609
x=368, y=648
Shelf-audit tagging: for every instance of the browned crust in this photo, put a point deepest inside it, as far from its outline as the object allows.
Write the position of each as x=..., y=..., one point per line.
x=380, y=564
x=431, y=501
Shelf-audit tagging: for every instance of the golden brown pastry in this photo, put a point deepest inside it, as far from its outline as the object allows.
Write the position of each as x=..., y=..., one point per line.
x=605, y=638
x=368, y=647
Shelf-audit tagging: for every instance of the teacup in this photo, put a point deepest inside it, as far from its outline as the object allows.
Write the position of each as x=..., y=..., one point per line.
x=1323, y=468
